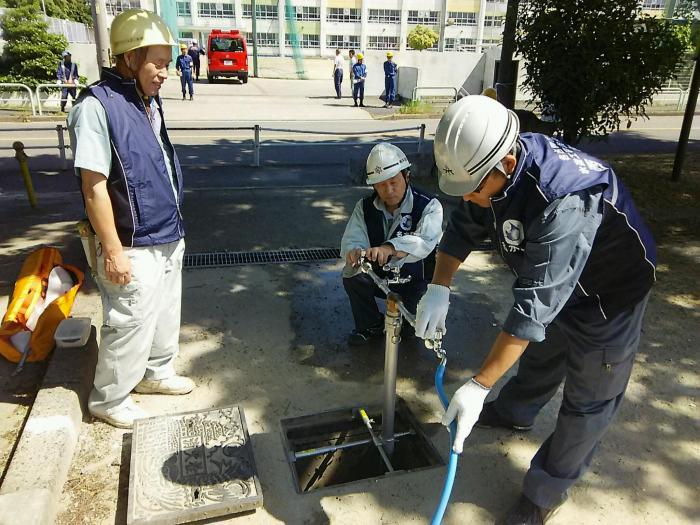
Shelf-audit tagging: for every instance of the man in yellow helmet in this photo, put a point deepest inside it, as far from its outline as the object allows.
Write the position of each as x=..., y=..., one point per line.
x=359, y=74
x=390, y=70
x=132, y=188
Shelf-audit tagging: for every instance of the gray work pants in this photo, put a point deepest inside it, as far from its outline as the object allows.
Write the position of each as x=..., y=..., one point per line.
x=140, y=329
x=594, y=356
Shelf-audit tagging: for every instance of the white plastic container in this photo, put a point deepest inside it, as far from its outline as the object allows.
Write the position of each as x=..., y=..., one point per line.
x=73, y=332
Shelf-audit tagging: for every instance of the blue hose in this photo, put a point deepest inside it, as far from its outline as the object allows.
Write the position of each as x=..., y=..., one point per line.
x=452, y=465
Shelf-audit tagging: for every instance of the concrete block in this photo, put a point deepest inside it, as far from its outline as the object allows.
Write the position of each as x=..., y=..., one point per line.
x=191, y=466
x=27, y=507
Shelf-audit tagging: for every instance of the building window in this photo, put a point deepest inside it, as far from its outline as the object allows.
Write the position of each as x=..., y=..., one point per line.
x=304, y=12
x=461, y=18
x=653, y=4
x=305, y=41
x=385, y=16
x=114, y=7
x=262, y=12
x=186, y=35
x=343, y=41
x=494, y=21
x=460, y=44
x=383, y=42
x=184, y=9
x=215, y=10
x=495, y=1
x=490, y=42
x=264, y=39
x=423, y=17
x=343, y=14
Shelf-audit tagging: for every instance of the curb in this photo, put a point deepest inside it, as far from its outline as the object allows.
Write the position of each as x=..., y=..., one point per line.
x=39, y=467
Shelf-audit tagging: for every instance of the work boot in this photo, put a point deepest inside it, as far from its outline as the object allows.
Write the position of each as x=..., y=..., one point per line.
x=356, y=103
x=121, y=416
x=191, y=97
x=362, y=104
x=183, y=96
x=490, y=418
x=175, y=385
x=362, y=337
x=525, y=512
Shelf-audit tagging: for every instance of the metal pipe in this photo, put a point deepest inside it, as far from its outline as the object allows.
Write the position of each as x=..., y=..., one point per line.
x=392, y=328
x=375, y=440
x=332, y=448
x=61, y=146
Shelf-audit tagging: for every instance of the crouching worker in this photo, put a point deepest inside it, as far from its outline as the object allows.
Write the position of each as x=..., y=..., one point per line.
x=132, y=188
x=397, y=222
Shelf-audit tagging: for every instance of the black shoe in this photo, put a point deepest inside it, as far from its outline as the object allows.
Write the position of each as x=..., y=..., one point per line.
x=362, y=337
x=355, y=104
x=362, y=105
x=489, y=418
x=183, y=97
x=525, y=512
x=191, y=97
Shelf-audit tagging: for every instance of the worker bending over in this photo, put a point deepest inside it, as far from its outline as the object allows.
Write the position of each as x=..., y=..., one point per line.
x=398, y=222
x=584, y=262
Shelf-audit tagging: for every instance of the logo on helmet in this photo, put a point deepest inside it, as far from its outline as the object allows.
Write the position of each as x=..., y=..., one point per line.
x=378, y=170
x=513, y=232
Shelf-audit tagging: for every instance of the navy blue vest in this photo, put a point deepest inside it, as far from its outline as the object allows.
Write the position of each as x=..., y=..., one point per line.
x=374, y=220
x=146, y=212
x=620, y=268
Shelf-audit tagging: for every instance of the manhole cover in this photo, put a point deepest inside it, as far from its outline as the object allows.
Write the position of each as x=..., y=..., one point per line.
x=190, y=466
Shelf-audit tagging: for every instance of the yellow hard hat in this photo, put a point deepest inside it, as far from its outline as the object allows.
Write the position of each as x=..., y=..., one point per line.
x=135, y=28
x=490, y=92
x=389, y=54
x=360, y=56
x=183, y=46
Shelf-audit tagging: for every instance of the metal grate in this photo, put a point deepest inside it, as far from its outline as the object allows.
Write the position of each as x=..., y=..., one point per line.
x=216, y=259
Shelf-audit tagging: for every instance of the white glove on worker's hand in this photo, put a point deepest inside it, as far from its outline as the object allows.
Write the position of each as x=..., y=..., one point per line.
x=466, y=406
x=432, y=311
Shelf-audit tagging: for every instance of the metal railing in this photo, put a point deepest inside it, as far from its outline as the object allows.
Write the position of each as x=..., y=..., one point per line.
x=438, y=88
x=54, y=85
x=23, y=87
x=257, y=141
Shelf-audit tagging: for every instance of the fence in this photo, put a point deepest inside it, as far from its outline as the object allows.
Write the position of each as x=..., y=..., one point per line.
x=257, y=141
x=16, y=87
x=75, y=32
x=55, y=86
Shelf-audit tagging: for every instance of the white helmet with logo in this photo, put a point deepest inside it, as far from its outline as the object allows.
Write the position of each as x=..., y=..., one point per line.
x=384, y=162
x=473, y=135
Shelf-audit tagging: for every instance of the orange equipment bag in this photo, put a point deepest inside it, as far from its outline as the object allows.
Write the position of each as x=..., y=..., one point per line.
x=29, y=290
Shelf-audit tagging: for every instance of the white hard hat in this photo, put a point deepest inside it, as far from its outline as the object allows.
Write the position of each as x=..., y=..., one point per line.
x=472, y=137
x=384, y=162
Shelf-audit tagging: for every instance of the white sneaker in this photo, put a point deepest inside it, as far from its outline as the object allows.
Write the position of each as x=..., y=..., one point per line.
x=175, y=385
x=121, y=416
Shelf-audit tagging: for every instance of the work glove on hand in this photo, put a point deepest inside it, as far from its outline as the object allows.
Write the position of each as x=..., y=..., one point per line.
x=466, y=406
x=432, y=311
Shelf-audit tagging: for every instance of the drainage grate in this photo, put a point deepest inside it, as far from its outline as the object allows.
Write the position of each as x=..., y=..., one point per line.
x=215, y=259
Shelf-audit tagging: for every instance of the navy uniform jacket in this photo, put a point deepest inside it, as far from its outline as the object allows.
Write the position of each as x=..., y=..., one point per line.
x=184, y=63
x=390, y=68
x=569, y=231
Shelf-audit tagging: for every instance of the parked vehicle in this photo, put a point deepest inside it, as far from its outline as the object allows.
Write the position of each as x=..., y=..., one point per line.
x=227, y=55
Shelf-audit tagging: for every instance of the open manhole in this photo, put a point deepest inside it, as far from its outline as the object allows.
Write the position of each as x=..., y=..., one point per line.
x=334, y=448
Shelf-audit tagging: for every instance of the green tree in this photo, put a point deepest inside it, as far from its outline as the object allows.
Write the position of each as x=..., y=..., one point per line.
x=595, y=62
x=76, y=10
x=421, y=38
x=32, y=54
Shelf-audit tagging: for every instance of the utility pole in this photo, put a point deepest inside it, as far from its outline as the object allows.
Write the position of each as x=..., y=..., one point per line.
x=99, y=24
x=507, y=70
x=255, y=41
x=687, y=119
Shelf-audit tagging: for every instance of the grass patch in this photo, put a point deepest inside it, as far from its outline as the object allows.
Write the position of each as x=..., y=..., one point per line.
x=416, y=107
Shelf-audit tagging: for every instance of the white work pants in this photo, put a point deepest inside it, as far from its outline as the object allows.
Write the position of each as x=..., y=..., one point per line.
x=141, y=323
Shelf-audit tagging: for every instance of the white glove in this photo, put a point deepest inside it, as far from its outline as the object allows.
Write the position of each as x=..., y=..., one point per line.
x=432, y=311
x=466, y=406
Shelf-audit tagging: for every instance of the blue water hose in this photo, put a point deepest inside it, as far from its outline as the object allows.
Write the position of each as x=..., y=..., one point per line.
x=452, y=465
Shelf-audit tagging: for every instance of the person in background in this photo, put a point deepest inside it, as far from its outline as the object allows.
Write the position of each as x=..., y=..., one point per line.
x=338, y=66
x=398, y=222
x=195, y=52
x=67, y=74
x=359, y=74
x=132, y=189
x=183, y=66
x=353, y=60
x=390, y=69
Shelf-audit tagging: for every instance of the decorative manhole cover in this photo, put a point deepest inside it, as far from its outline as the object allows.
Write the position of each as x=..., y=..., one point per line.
x=191, y=466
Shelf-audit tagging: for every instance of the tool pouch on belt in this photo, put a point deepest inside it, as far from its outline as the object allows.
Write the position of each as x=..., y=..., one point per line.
x=29, y=294
x=89, y=242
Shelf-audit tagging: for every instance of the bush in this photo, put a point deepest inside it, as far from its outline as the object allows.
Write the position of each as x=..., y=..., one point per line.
x=421, y=38
x=32, y=54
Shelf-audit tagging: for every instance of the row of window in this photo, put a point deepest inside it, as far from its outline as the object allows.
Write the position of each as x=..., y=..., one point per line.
x=335, y=14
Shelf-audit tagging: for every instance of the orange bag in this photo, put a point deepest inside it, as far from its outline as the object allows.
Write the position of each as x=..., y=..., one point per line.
x=29, y=289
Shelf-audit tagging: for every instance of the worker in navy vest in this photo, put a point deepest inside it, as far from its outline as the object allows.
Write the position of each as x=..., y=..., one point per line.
x=132, y=189
x=184, y=66
x=67, y=73
x=584, y=263
x=397, y=225
x=358, y=75
x=390, y=69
